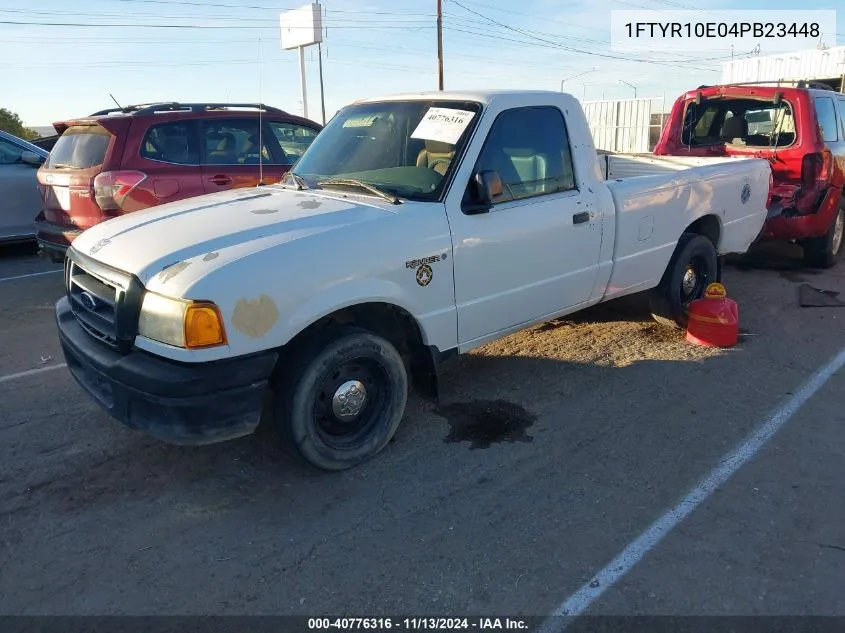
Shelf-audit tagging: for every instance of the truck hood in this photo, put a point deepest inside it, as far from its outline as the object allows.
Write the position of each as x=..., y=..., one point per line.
x=229, y=224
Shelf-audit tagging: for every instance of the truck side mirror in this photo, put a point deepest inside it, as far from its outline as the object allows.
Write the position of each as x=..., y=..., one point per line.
x=486, y=187
x=489, y=185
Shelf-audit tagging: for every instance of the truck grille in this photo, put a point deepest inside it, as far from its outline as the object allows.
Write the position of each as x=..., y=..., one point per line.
x=106, y=302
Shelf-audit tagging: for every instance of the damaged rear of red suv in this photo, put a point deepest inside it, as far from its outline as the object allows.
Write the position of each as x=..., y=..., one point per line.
x=800, y=130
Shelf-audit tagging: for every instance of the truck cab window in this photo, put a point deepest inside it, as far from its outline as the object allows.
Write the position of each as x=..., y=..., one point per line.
x=529, y=149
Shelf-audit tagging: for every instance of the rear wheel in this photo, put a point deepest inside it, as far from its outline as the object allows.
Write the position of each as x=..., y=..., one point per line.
x=822, y=252
x=694, y=265
x=343, y=398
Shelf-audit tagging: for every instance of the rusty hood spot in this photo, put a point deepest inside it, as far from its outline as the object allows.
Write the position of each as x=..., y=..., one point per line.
x=171, y=271
x=255, y=317
x=209, y=256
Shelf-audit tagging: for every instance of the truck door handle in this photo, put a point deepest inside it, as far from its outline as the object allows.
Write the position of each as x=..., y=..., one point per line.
x=220, y=180
x=580, y=218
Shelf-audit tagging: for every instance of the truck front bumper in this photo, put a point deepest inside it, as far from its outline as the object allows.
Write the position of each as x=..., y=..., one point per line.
x=180, y=403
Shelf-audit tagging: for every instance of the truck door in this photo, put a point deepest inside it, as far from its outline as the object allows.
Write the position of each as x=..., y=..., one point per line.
x=536, y=251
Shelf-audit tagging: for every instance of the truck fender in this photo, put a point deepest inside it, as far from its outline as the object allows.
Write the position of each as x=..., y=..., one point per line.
x=347, y=294
x=377, y=306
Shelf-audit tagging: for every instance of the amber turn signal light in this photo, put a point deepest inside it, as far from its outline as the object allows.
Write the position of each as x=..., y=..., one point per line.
x=203, y=326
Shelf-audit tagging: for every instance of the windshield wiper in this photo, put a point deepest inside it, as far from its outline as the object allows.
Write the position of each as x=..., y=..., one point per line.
x=299, y=181
x=351, y=182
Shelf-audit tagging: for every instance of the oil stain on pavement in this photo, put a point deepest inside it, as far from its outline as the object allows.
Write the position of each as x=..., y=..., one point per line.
x=486, y=422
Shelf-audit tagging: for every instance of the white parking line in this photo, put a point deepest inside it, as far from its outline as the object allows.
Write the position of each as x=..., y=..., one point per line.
x=30, y=372
x=46, y=272
x=580, y=601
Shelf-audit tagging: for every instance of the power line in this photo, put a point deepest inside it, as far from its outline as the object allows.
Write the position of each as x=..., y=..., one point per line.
x=203, y=17
x=145, y=64
x=594, y=53
x=537, y=17
x=194, y=26
x=569, y=37
x=534, y=33
x=568, y=48
x=264, y=7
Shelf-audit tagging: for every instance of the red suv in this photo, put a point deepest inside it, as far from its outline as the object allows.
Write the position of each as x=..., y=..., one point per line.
x=127, y=159
x=800, y=130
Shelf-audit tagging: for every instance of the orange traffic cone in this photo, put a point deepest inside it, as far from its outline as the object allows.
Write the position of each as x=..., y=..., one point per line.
x=713, y=319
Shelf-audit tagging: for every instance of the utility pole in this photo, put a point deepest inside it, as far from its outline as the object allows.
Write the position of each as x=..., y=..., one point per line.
x=440, y=44
x=322, y=92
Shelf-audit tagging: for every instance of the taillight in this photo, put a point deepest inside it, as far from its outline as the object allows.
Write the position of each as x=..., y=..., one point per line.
x=815, y=169
x=112, y=187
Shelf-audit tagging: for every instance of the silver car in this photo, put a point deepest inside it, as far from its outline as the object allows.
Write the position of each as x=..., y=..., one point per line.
x=20, y=199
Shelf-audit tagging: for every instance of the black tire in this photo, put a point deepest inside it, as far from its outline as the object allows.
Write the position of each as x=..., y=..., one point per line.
x=305, y=403
x=822, y=252
x=669, y=300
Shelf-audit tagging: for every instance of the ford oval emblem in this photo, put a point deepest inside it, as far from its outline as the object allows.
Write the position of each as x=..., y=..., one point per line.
x=88, y=300
x=746, y=193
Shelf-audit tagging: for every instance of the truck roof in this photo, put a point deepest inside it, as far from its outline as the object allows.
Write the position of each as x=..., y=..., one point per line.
x=515, y=97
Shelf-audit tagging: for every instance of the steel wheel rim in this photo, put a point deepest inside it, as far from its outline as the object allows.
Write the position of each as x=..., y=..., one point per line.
x=694, y=280
x=343, y=422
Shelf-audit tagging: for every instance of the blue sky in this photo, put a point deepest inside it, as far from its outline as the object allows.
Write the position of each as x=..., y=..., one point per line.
x=232, y=51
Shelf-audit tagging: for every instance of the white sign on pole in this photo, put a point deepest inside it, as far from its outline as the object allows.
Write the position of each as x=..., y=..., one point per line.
x=301, y=27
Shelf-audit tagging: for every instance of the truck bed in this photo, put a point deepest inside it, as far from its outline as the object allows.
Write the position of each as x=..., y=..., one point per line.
x=656, y=197
x=622, y=166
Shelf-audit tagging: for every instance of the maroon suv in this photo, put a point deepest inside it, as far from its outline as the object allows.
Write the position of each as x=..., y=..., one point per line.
x=127, y=159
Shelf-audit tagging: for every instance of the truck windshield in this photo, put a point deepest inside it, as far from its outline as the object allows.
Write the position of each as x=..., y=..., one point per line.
x=404, y=148
x=739, y=122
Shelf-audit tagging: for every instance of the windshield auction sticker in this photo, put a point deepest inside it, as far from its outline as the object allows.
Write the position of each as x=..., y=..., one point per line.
x=443, y=124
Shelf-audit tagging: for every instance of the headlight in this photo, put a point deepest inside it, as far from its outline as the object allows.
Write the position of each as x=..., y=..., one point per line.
x=181, y=323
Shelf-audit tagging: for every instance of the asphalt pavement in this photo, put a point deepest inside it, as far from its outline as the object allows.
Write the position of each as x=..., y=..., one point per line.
x=551, y=452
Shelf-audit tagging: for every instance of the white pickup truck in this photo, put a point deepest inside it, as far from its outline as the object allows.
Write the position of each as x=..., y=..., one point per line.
x=414, y=228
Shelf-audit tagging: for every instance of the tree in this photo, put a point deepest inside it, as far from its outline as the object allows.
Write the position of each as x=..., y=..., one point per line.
x=10, y=122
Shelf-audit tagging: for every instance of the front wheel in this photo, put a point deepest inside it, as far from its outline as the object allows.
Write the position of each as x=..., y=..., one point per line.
x=694, y=265
x=343, y=398
x=822, y=252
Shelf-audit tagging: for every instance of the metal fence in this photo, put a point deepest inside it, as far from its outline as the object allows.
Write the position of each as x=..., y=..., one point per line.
x=626, y=125
x=825, y=64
